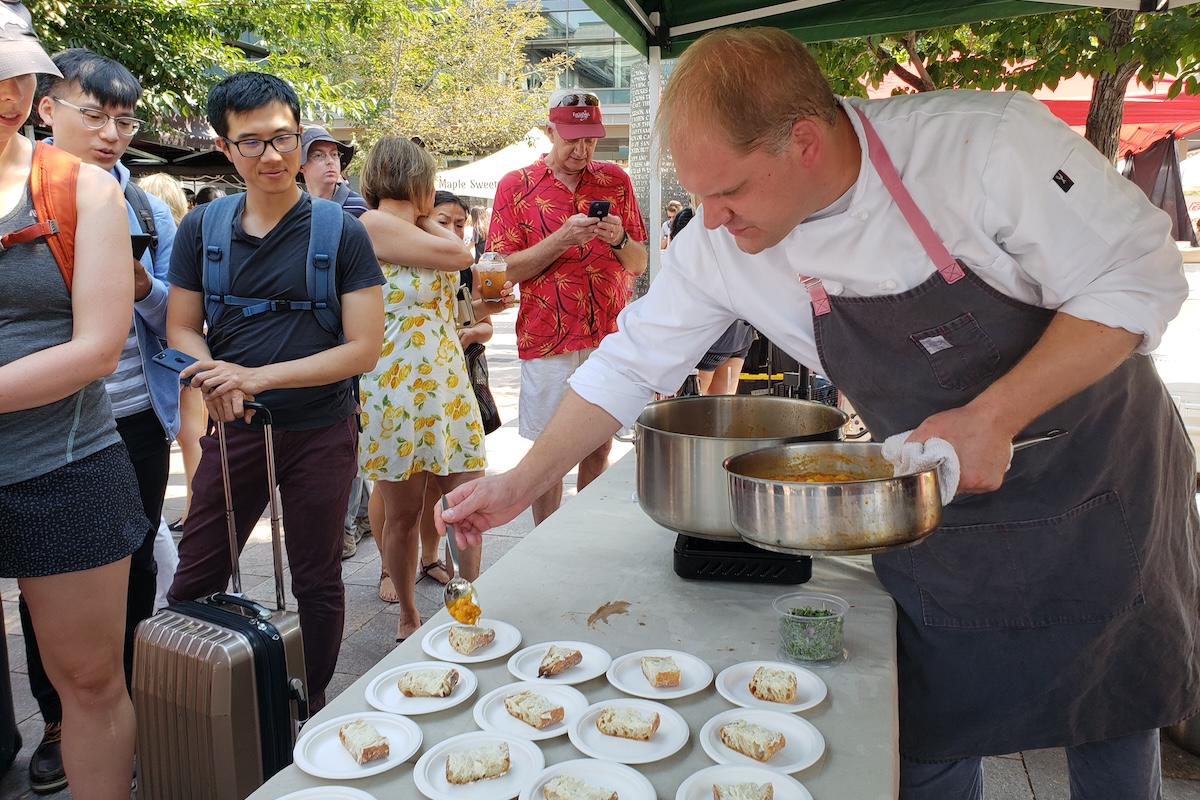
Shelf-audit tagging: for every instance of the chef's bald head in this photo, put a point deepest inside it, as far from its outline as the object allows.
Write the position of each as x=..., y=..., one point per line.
x=748, y=85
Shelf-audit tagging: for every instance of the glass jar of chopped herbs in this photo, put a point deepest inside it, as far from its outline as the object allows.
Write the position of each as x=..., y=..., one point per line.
x=811, y=625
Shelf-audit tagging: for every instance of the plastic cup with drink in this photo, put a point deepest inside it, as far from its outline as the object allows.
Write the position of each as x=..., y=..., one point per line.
x=493, y=273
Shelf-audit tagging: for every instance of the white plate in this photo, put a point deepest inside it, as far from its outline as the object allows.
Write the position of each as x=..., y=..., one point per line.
x=329, y=793
x=734, y=685
x=804, y=746
x=320, y=753
x=524, y=663
x=700, y=785
x=384, y=694
x=491, y=715
x=671, y=735
x=627, y=782
x=626, y=675
x=525, y=761
x=437, y=643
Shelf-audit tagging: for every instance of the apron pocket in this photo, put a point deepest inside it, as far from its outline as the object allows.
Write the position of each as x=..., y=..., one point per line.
x=1080, y=567
x=959, y=352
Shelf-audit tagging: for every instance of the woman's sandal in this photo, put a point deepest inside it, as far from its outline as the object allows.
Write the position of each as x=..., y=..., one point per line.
x=427, y=571
x=387, y=589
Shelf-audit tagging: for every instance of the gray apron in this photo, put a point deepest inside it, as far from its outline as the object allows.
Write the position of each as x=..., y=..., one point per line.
x=1062, y=608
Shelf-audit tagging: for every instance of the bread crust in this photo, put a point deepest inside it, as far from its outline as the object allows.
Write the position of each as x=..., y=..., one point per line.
x=533, y=709
x=660, y=671
x=751, y=739
x=478, y=763
x=363, y=741
x=557, y=659
x=466, y=639
x=627, y=723
x=428, y=682
x=568, y=787
x=774, y=685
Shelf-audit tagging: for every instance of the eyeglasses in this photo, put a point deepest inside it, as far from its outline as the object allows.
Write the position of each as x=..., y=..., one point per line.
x=579, y=100
x=96, y=119
x=253, y=148
x=317, y=155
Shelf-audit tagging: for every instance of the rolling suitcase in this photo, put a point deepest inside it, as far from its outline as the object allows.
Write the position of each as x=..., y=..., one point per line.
x=218, y=683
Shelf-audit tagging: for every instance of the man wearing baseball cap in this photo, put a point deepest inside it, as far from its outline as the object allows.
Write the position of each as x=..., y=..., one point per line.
x=322, y=161
x=574, y=270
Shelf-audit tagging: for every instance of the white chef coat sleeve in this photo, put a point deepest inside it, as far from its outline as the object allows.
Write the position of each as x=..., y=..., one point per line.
x=1088, y=238
x=661, y=336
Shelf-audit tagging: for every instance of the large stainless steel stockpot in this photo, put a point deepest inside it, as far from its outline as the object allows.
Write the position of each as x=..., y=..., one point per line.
x=873, y=513
x=682, y=442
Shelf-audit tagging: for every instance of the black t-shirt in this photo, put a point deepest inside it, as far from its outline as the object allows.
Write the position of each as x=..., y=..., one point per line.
x=273, y=267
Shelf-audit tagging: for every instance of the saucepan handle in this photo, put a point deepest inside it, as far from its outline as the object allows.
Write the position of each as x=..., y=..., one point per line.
x=1022, y=442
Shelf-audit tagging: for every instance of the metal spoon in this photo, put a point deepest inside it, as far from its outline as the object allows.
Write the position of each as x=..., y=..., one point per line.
x=462, y=601
x=1029, y=441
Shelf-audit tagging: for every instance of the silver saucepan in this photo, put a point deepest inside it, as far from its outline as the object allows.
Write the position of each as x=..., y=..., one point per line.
x=682, y=442
x=848, y=502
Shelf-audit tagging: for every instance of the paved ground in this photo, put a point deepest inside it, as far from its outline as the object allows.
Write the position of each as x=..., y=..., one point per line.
x=371, y=624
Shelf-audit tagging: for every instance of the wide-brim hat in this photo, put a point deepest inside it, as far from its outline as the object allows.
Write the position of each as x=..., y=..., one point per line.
x=315, y=133
x=20, y=51
x=578, y=122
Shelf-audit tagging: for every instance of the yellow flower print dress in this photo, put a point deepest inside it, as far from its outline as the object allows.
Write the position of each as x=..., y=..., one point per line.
x=419, y=412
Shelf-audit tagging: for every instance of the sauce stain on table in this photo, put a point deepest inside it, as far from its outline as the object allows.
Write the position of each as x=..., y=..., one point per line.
x=607, y=610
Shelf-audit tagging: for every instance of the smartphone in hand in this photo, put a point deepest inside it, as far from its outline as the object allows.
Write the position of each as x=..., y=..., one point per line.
x=599, y=209
x=175, y=361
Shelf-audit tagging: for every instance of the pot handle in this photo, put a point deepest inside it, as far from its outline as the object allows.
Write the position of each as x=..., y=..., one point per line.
x=1021, y=442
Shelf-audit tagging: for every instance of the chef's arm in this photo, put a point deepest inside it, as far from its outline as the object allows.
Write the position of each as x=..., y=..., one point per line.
x=1071, y=355
x=577, y=429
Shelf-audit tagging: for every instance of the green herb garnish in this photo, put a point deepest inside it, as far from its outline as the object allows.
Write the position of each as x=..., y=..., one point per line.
x=816, y=639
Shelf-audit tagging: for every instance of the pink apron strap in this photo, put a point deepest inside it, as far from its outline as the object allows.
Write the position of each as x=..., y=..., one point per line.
x=945, y=263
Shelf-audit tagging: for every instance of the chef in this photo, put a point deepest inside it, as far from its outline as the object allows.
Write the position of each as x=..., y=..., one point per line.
x=964, y=266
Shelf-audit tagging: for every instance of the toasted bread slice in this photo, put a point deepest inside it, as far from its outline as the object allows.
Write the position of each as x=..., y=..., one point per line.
x=428, y=682
x=628, y=723
x=557, y=659
x=752, y=740
x=743, y=791
x=533, y=709
x=478, y=763
x=364, y=741
x=466, y=639
x=660, y=671
x=775, y=685
x=568, y=787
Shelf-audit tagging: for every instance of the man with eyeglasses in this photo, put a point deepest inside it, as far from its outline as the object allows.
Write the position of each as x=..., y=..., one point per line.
x=283, y=358
x=91, y=111
x=574, y=270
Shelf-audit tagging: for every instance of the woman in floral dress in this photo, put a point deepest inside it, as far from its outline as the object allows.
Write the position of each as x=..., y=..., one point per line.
x=420, y=418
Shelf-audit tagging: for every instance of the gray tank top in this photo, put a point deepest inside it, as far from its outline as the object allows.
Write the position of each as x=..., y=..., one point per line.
x=35, y=313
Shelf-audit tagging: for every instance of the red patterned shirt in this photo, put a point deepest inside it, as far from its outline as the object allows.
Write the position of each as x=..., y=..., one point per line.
x=574, y=303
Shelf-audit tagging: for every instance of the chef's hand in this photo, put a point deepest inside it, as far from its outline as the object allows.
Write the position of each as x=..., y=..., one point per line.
x=479, y=505
x=984, y=448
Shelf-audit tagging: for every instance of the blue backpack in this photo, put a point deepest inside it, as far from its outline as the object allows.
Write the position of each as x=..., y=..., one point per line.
x=320, y=271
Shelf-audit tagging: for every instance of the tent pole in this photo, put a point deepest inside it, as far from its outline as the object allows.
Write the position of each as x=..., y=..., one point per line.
x=654, y=75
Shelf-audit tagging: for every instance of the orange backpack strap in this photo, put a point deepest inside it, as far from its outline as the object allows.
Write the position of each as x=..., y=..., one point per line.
x=52, y=179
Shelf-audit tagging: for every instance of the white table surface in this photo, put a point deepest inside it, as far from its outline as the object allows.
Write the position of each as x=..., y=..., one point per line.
x=600, y=547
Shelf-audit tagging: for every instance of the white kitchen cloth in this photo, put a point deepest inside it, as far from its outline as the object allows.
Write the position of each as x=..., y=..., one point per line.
x=912, y=457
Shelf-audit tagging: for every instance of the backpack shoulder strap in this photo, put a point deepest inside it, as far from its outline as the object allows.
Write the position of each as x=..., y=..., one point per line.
x=321, y=268
x=216, y=232
x=340, y=193
x=53, y=176
x=137, y=198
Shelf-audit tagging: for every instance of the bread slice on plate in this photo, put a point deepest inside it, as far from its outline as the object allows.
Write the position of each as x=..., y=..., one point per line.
x=478, y=763
x=466, y=639
x=534, y=709
x=628, y=723
x=743, y=791
x=364, y=741
x=751, y=739
x=775, y=685
x=428, y=682
x=568, y=787
x=661, y=671
x=557, y=659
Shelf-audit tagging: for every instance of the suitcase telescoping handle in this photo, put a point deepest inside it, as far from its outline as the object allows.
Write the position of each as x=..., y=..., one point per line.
x=276, y=539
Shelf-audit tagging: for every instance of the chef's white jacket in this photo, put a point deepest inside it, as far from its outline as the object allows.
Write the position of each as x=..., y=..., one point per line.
x=981, y=166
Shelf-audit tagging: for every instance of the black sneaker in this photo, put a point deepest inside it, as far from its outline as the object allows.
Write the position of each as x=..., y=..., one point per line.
x=46, y=772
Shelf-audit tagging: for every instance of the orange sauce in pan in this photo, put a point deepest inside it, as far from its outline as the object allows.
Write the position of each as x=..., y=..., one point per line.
x=817, y=477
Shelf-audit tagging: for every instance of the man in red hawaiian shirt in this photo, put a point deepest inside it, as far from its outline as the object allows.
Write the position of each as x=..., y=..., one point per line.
x=574, y=270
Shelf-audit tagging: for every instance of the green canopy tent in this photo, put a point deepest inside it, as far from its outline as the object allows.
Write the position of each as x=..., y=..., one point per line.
x=664, y=28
